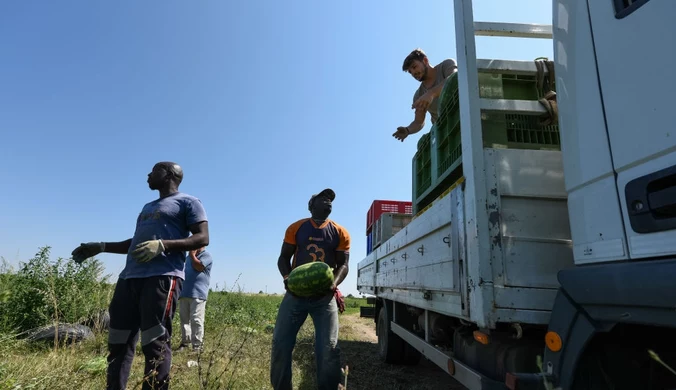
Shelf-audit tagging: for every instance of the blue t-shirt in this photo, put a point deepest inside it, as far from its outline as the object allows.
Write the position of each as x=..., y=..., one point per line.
x=196, y=283
x=167, y=219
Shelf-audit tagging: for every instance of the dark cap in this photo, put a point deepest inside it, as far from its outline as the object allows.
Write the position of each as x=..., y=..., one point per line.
x=327, y=192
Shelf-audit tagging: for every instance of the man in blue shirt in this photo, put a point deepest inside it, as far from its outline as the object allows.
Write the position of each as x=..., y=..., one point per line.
x=147, y=290
x=193, y=300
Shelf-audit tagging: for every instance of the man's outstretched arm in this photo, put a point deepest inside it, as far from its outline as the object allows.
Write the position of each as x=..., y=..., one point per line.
x=91, y=249
x=415, y=126
x=418, y=121
x=120, y=247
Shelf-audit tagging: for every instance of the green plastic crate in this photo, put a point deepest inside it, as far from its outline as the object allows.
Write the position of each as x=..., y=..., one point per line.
x=518, y=131
x=499, y=130
x=491, y=86
x=422, y=166
x=432, y=174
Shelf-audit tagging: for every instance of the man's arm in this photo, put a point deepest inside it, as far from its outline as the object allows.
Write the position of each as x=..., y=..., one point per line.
x=415, y=126
x=342, y=267
x=284, y=260
x=418, y=122
x=342, y=257
x=91, y=249
x=198, y=239
x=121, y=247
x=288, y=249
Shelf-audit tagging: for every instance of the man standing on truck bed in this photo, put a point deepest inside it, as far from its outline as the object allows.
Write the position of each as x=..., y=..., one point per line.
x=311, y=239
x=148, y=287
x=426, y=97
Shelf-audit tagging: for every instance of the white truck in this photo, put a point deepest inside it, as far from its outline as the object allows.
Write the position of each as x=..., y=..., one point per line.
x=565, y=257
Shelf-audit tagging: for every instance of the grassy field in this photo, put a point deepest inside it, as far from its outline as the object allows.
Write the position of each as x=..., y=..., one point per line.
x=236, y=355
x=238, y=337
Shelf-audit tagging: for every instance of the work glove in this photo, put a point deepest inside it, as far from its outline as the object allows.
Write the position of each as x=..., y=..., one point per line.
x=147, y=250
x=340, y=301
x=85, y=251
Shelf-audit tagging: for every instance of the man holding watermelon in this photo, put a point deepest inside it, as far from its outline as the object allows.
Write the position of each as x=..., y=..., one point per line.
x=309, y=240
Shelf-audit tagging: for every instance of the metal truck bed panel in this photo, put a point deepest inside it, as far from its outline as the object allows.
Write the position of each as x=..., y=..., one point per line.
x=425, y=264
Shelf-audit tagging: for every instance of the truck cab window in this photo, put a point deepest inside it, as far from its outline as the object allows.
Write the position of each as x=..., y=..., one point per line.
x=624, y=8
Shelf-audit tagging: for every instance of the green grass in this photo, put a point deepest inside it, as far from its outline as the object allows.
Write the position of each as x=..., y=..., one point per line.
x=238, y=336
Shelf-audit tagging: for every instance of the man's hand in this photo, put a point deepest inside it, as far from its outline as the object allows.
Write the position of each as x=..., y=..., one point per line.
x=340, y=300
x=147, y=250
x=401, y=133
x=196, y=263
x=286, y=287
x=423, y=102
x=85, y=251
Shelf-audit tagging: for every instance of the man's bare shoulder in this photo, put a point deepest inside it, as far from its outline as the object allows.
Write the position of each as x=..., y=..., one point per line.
x=447, y=62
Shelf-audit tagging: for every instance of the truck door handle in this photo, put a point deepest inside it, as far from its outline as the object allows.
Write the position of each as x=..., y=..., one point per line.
x=663, y=202
x=651, y=201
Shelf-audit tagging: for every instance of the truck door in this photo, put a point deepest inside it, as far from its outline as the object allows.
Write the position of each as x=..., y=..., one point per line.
x=636, y=56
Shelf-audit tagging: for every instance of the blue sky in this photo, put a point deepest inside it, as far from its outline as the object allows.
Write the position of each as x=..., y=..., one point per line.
x=261, y=103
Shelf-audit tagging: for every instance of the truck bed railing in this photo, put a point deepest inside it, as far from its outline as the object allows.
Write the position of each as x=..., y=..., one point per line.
x=513, y=30
x=471, y=105
x=512, y=106
x=508, y=67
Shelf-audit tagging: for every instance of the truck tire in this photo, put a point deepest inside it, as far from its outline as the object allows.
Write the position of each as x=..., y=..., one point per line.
x=392, y=348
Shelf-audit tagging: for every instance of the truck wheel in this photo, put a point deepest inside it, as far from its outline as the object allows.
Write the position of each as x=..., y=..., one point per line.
x=392, y=348
x=411, y=355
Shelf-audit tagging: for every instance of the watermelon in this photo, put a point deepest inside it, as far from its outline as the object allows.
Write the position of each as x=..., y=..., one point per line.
x=310, y=279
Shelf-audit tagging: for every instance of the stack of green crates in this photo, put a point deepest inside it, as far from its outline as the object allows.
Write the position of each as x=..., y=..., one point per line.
x=422, y=165
x=437, y=164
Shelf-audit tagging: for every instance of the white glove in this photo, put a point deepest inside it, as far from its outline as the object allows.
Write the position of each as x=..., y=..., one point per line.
x=85, y=251
x=147, y=250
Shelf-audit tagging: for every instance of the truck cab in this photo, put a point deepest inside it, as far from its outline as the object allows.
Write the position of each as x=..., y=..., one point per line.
x=615, y=308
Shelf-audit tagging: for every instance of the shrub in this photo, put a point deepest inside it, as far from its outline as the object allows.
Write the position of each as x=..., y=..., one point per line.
x=42, y=292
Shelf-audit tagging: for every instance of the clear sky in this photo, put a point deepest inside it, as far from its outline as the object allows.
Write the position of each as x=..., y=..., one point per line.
x=263, y=103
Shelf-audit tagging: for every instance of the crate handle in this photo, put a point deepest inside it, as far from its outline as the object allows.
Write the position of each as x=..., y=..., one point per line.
x=447, y=240
x=421, y=250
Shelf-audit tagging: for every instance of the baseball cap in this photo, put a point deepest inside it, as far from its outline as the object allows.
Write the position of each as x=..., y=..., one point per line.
x=327, y=192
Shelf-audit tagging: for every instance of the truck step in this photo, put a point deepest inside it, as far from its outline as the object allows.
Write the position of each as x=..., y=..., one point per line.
x=462, y=373
x=516, y=30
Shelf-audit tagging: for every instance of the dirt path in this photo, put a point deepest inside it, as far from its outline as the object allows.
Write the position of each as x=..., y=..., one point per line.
x=359, y=347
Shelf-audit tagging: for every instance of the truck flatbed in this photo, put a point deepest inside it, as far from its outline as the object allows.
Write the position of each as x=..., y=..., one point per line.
x=426, y=264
